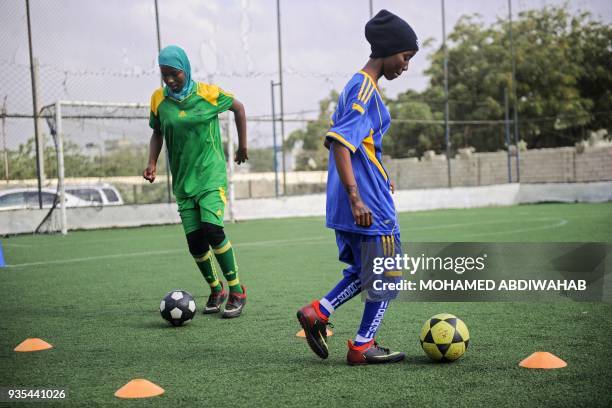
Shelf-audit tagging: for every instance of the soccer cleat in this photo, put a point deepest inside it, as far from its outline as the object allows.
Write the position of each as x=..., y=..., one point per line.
x=235, y=304
x=314, y=324
x=371, y=353
x=215, y=300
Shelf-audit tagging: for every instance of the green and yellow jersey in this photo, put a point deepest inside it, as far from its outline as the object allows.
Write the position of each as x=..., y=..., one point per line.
x=191, y=130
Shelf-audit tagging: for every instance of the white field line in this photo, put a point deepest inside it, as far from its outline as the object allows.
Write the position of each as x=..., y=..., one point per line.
x=467, y=224
x=406, y=229
x=557, y=224
x=70, y=242
x=161, y=252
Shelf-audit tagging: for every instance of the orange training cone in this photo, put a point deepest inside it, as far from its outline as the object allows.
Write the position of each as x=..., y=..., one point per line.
x=139, y=388
x=302, y=334
x=33, y=345
x=542, y=359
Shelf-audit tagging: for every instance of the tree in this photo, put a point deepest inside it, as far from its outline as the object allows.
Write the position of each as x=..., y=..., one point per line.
x=313, y=155
x=120, y=162
x=591, y=43
x=563, y=87
x=559, y=60
x=412, y=139
x=261, y=160
x=22, y=162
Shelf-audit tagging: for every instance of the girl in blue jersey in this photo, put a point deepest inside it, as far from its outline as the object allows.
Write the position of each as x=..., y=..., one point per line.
x=359, y=204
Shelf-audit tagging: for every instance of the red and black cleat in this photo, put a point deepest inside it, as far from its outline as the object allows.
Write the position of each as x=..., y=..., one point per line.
x=314, y=324
x=235, y=304
x=215, y=300
x=371, y=353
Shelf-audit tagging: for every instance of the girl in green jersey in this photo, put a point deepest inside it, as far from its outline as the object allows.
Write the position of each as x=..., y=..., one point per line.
x=184, y=113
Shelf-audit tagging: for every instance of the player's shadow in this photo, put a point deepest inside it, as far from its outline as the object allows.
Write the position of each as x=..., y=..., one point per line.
x=153, y=323
x=156, y=325
x=308, y=360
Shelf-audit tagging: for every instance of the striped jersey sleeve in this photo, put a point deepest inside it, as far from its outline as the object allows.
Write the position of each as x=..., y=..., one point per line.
x=350, y=123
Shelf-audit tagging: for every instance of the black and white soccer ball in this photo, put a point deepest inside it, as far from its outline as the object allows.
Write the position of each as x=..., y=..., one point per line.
x=177, y=307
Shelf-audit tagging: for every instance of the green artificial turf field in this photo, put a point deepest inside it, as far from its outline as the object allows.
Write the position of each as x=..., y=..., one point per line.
x=95, y=295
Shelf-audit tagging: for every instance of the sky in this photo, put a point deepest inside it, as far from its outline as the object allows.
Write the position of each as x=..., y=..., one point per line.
x=106, y=50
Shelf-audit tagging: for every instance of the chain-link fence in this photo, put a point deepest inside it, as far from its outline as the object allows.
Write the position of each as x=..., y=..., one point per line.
x=106, y=52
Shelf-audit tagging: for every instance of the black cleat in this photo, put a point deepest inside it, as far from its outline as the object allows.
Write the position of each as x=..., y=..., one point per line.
x=371, y=353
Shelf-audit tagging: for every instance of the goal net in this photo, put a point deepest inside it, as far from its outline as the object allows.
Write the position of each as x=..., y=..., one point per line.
x=100, y=146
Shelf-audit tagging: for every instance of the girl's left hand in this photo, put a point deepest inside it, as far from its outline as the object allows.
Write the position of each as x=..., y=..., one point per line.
x=241, y=155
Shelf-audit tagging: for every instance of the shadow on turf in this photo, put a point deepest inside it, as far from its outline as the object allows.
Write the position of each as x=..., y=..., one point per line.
x=156, y=325
x=425, y=361
x=310, y=359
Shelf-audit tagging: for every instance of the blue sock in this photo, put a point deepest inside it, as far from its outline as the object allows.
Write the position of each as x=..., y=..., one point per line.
x=345, y=290
x=373, y=314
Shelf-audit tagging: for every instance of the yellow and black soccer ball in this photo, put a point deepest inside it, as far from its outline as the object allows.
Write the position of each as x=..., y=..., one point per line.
x=444, y=337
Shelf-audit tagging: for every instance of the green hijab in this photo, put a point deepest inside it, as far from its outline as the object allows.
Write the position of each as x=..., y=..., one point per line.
x=175, y=57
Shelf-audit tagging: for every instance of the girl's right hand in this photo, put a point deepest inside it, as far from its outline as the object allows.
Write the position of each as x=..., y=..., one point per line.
x=361, y=213
x=149, y=173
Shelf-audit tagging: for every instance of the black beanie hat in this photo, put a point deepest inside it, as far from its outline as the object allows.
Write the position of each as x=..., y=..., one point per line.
x=388, y=35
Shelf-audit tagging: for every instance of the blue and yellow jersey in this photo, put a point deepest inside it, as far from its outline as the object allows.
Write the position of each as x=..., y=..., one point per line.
x=359, y=123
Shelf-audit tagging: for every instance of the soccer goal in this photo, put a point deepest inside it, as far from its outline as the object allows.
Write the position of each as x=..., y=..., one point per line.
x=104, y=142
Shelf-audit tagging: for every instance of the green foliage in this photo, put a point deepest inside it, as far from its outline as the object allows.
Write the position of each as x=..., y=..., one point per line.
x=563, y=77
x=412, y=139
x=261, y=160
x=313, y=155
x=120, y=162
x=144, y=193
x=592, y=45
x=22, y=161
x=563, y=87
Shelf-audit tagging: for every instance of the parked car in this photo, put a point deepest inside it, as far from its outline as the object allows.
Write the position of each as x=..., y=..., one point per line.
x=23, y=198
x=101, y=194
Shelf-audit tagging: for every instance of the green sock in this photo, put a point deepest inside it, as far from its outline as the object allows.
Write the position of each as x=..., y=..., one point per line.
x=225, y=256
x=207, y=267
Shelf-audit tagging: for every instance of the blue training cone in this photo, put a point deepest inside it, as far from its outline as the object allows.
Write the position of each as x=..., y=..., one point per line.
x=2, y=263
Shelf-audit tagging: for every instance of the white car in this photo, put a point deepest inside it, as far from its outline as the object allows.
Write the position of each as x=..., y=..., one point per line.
x=27, y=198
x=101, y=194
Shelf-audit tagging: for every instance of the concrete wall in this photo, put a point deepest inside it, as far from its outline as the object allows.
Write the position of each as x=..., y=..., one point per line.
x=596, y=192
x=458, y=197
x=25, y=221
x=559, y=165
x=593, y=165
x=479, y=179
